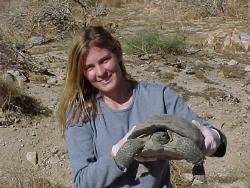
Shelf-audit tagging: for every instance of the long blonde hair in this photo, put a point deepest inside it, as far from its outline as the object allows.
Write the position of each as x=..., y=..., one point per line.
x=78, y=102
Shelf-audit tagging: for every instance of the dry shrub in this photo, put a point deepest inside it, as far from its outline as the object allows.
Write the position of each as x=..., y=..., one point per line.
x=201, y=76
x=230, y=8
x=29, y=106
x=48, y=18
x=15, y=105
x=54, y=15
x=8, y=92
x=178, y=168
x=7, y=55
x=232, y=71
x=173, y=10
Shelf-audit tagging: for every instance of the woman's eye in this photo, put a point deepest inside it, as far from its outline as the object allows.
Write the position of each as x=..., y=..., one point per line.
x=106, y=60
x=89, y=68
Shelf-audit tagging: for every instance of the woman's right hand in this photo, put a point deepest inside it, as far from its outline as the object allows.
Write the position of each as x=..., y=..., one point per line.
x=124, y=151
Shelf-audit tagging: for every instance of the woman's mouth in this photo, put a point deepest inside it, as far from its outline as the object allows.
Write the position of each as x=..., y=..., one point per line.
x=106, y=80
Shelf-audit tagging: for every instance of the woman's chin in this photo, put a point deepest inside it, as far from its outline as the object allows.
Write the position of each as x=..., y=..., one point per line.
x=107, y=87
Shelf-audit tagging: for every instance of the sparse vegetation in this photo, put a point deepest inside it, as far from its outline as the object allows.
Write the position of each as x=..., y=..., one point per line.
x=232, y=71
x=225, y=179
x=23, y=178
x=245, y=176
x=8, y=93
x=29, y=106
x=150, y=41
x=200, y=75
x=178, y=168
x=14, y=104
x=61, y=20
x=7, y=55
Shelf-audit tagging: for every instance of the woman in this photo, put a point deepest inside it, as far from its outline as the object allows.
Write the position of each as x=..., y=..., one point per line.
x=101, y=105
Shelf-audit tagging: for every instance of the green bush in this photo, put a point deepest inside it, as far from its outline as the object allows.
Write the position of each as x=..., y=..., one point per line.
x=149, y=41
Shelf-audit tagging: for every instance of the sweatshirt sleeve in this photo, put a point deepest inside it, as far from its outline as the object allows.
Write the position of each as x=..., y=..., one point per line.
x=174, y=104
x=86, y=168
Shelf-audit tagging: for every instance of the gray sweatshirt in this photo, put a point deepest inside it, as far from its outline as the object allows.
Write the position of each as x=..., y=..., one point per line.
x=89, y=144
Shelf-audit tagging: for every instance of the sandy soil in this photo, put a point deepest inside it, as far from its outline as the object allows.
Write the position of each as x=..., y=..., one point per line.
x=218, y=91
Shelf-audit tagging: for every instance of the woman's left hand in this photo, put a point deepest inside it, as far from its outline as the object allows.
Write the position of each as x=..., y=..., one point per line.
x=211, y=139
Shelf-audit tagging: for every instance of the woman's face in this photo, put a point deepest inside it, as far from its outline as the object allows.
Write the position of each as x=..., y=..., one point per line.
x=102, y=69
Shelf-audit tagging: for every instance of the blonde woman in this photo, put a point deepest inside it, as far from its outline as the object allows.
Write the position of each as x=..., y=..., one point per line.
x=101, y=105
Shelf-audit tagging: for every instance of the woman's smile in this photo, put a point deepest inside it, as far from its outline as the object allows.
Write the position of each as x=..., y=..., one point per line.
x=102, y=70
x=106, y=80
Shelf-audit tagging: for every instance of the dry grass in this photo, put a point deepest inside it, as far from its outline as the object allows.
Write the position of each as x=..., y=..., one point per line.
x=224, y=179
x=8, y=92
x=178, y=168
x=245, y=174
x=7, y=55
x=213, y=93
x=30, y=18
x=196, y=9
x=13, y=99
x=200, y=75
x=24, y=178
x=208, y=94
x=232, y=71
x=29, y=106
x=183, y=92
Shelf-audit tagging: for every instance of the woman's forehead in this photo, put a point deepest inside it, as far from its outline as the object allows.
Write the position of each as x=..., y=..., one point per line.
x=96, y=53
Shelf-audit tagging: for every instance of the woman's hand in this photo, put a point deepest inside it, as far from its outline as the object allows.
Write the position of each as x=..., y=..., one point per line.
x=124, y=151
x=212, y=139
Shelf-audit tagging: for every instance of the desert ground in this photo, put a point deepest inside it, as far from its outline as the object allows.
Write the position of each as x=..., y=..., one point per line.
x=212, y=74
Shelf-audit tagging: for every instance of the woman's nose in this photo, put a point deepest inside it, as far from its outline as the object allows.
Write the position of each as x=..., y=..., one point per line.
x=100, y=71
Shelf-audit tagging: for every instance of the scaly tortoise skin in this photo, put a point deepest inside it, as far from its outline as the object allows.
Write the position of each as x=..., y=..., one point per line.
x=168, y=137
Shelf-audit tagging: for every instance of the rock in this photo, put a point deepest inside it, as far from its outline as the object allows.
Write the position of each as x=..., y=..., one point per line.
x=54, y=150
x=144, y=57
x=18, y=76
x=189, y=71
x=247, y=68
x=188, y=176
x=245, y=40
x=8, y=77
x=33, y=134
x=32, y=157
x=52, y=81
x=36, y=41
x=53, y=160
x=197, y=182
x=228, y=40
x=232, y=62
